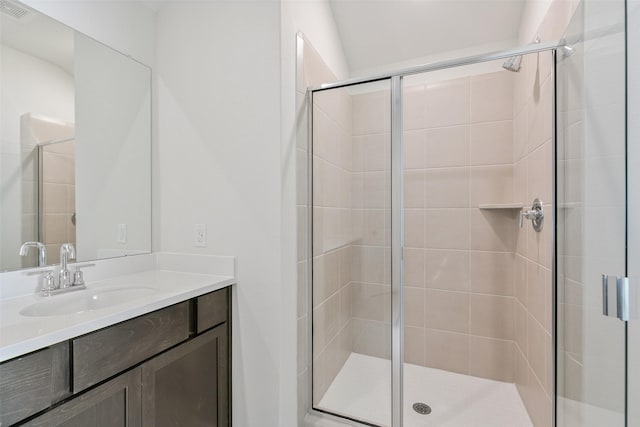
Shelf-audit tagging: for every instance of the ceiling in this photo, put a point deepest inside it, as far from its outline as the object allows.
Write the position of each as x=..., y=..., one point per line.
x=375, y=33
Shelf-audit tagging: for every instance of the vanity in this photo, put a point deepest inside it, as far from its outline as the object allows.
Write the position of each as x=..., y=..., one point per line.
x=159, y=357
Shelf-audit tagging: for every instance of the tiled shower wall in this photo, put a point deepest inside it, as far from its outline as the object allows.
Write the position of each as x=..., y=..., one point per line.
x=371, y=247
x=459, y=303
x=331, y=263
x=533, y=175
x=533, y=164
x=332, y=236
x=458, y=258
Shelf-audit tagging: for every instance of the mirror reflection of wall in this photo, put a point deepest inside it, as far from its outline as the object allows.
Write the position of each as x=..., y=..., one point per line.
x=50, y=216
x=75, y=143
x=37, y=78
x=113, y=152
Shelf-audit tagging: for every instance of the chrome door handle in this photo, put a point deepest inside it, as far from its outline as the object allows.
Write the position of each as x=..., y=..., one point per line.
x=625, y=300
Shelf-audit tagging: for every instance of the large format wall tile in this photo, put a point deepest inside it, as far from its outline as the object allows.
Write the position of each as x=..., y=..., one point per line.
x=447, y=103
x=447, y=350
x=492, y=358
x=447, y=147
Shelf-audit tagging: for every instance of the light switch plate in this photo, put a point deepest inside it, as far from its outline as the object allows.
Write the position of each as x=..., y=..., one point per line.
x=122, y=233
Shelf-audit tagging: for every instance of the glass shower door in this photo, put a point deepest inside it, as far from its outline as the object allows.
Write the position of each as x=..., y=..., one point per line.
x=351, y=268
x=591, y=211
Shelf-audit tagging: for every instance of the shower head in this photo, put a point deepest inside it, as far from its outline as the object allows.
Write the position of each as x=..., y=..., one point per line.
x=513, y=63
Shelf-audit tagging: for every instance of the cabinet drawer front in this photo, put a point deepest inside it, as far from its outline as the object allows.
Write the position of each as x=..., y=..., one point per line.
x=104, y=353
x=212, y=309
x=33, y=382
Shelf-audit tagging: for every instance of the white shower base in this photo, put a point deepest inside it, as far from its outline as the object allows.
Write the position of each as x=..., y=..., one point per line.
x=362, y=390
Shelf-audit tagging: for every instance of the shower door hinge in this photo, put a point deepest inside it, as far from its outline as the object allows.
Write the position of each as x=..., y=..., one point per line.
x=621, y=300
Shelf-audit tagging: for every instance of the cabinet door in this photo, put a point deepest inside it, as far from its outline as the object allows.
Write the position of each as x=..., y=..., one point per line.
x=188, y=385
x=115, y=403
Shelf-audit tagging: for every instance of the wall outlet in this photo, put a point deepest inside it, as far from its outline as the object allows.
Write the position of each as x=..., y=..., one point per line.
x=122, y=233
x=201, y=235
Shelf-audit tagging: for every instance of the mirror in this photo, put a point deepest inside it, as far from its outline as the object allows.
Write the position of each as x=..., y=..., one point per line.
x=75, y=143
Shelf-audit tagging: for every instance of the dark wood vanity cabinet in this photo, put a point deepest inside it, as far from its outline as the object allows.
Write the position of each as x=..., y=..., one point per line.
x=170, y=367
x=33, y=382
x=116, y=403
x=102, y=354
x=188, y=385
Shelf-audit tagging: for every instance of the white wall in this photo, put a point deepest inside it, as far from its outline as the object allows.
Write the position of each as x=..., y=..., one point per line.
x=127, y=26
x=314, y=18
x=29, y=85
x=532, y=17
x=218, y=70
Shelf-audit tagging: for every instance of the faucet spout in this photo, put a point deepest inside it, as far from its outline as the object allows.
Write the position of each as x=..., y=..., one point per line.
x=42, y=251
x=67, y=251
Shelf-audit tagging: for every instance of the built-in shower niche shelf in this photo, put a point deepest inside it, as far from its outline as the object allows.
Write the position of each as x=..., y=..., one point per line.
x=493, y=206
x=571, y=205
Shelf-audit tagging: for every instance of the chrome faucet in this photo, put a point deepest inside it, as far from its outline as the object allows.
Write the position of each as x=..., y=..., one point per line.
x=42, y=251
x=67, y=251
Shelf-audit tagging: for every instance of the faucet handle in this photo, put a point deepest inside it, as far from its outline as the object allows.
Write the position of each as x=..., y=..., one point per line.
x=78, y=279
x=49, y=283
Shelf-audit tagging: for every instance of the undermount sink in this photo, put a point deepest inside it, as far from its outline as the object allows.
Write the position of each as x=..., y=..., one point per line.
x=85, y=300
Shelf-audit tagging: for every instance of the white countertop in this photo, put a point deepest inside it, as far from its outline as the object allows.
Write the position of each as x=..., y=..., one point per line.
x=21, y=334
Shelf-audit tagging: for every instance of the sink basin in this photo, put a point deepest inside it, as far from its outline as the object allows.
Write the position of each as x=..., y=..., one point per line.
x=85, y=300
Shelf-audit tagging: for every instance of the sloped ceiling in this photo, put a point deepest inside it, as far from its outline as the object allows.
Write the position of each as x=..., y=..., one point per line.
x=379, y=32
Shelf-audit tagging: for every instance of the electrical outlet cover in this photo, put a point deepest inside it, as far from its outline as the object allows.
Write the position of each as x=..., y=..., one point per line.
x=201, y=235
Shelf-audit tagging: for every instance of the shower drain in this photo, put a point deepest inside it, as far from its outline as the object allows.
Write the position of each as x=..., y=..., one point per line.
x=422, y=408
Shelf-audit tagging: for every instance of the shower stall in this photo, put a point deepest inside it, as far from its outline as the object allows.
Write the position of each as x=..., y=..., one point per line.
x=459, y=219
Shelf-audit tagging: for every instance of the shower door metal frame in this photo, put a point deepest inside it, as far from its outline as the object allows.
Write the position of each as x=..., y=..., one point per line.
x=397, y=247
x=443, y=65
x=397, y=312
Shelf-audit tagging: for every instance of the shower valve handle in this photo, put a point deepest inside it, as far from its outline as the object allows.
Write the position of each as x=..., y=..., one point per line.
x=530, y=214
x=535, y=214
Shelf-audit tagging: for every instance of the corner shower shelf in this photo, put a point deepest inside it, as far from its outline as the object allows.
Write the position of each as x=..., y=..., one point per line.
x=489, y=206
